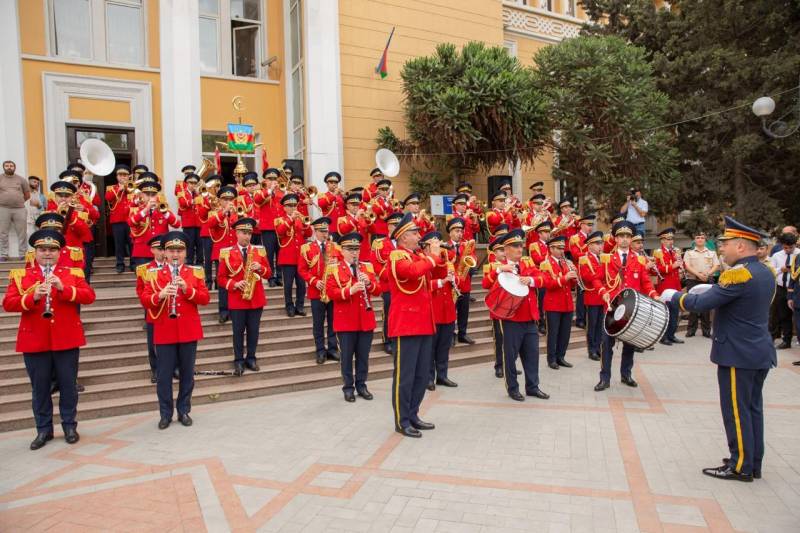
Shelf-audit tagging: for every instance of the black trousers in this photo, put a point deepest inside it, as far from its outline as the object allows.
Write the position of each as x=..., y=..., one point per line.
x=122, y=243
x=594, y=327
x=442, y=341
x=520, y=339
x=580, y=308
x=783, y=316
x=245, y=321
x=151, y=348
x=355, y=345
x=40, y=367
x=321, y=312
x=136, y=261
x=222, y=294
x=558, y=331
x=607, y=355
x=387, y=302
x=207, y=245
x=703, y=318
x=88, y=260
x=462, y=313
x=169, y=355
x=412, y=363
x=742, y=404
x=540, y=301
x=194, y=251
x=497, y=337
x=270, y=241
x=291, y=276
x=672, y=325
x=255, y=239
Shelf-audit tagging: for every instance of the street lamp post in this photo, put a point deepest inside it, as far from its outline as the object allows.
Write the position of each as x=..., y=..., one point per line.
x=777, y=129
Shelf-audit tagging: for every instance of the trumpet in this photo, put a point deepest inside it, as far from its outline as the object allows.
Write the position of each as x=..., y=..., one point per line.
x=311, y=190
x=130, y=188
x=241, y=211
x=163, y=207
x=425, y=216
x=397, y=205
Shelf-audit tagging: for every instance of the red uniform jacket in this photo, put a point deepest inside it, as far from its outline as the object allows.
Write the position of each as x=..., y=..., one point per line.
x=381, y=248
x=577, y=246
x=350, y=311
x=609, y=244
x=331, y=205
x=496, y=217
x=591, y=274
x=186, y=209
x=568, y=231
x=117, y=201
x=558, y=289
x=529, y=310
x=141, y=277
x=145, y=225
x=444, y=304
x=471, y=225
x=76, y=229
x=220, y=229
x=62, y=331
x=250, y=209
x=410, y=274
x=231, y=271
x=424, y=226
x=311, y=265
x=202, y=206
x=634, y=275
x=85, y=189
x=269, y=206
x=350, y=224
x=90, y=213
x=464, y=282
x=382, y=207
x=186, y=327
x=292, y=233
x=538, y=252
x=669, y=272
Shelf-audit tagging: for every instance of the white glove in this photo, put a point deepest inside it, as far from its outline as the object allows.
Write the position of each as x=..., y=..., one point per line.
x=667, y=295
x=700, y=289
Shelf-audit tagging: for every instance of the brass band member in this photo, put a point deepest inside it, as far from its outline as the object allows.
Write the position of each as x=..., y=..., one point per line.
x=382, y=247
x=246, y=201
x=421, y=220
x=498, y=215
x=241, y=269
x=118, y=208
x=187, y=195
x=380, y=205
x=50, y=331
x=220, y=229
x=204, y=205
x=350, y=285
x=559, y=277
x=490, y=271
x=292, y=229
x=331, y=203
x=443, y=296
x=76, y=219
x=268, y=201
x=462, y=255
x=149, y=219
x=141, y=278
x=591, y=275
x=471, y=219
x=357, y=220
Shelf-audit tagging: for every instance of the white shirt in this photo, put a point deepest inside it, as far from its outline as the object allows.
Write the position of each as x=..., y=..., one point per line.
x=633, y=216
x=778, y=261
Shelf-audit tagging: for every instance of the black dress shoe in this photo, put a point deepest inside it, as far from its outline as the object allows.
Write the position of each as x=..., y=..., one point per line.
x=152, y=376
x=422, y=425
x=726, y=472
x=299, y=311
x=498, y=372
x=186, y=420
x=164, y=423
x=176, y=374
x=41, y=439
x=542, y=330
x=349, y=396
x=472, y=299
x=238, y=369
x=365, y=393
x=252, y=365
x=79, y=387
x=431, y=385
x=223, y=318
x=784, y=345
x=272, y=282
x=580, y=325
x=629, y=381
x=278, y=283
x=690, y=334
x=564, y=363
x=519, y=372
x=446, y=382
x=333, y=355
x=321, y=356
x=756, y=473
x=538, y=393
x=796, y=363
x=290, y=312
x=71, y=435
x=516, y=396
x=666, y=342
x=707, y=334
x=676, y=340
x=387, y=348
x=594, y=356
x=601, y=386
x=553, y=365
x=465, y=339
x=120, y=270
x=409, y=432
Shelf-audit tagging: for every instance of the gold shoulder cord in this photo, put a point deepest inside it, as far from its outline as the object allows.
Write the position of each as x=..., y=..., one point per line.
x=225, y=227
x=399, y=281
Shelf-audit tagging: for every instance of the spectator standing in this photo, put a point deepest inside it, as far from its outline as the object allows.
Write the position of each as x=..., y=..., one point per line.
x=635, y=209
x=35, y=204
x=782, y=263
x=14, y=192
x=700, y=264
x=778, y=247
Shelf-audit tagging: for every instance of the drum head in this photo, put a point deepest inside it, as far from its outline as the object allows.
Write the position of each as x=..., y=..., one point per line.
x=622, y=309
x=510, y=282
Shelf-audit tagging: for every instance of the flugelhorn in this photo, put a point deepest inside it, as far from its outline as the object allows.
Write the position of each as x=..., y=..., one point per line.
x=163, y=207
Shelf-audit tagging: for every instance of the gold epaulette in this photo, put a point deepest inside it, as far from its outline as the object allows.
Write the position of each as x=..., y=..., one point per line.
x=141, y=270
x=486, y=269
x=331, y=268
x=225, y=253
x=546, y=266
x=278, y=220
x=377, y=244
x=397, y=255
x=658, y=254
x=77, y=272
x=214, y=213
x=527, y=261
x=304, y=248
x=75, y=253
x=16, y=274
x=198, y=272
x=735, y=276
x=605, y=258
x=260, y=250
x=29, y=256
x=575, y=239
x=83, y=215
x=369, y=267
x=584, y=260
x=642, y=260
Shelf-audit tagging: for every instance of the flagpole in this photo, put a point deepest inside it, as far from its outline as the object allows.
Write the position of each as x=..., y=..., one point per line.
x=378, y=67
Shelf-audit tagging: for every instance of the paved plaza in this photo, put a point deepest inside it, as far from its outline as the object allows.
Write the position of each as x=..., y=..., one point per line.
x=620, y=461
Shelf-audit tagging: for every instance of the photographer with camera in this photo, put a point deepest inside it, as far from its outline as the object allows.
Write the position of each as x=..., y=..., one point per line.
x=635, y=209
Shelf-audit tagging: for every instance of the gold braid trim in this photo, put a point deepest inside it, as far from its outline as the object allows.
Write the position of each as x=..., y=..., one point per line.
x=398, y=255
x=735, y=276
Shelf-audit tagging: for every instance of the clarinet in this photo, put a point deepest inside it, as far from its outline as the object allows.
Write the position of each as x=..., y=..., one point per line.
x=364, y=293
x=48, y=306
x=173, y=304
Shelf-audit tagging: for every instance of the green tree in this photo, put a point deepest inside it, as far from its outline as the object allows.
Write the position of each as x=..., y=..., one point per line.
x=475, y=108
x=603, y=102
x=712, y=56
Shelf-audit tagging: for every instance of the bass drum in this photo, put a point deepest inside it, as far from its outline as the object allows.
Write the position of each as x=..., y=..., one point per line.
x=505, y=297
x=636, y=319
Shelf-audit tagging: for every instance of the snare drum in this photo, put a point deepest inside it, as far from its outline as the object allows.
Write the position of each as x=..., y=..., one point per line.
x=636, y=319
x=505, y=297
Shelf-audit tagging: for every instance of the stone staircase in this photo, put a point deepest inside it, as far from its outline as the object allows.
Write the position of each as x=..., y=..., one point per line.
x=114, y=369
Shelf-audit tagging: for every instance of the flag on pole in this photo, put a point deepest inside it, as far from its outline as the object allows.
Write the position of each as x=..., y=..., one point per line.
x=264, y=162
x=382, y=67
x=217, y=160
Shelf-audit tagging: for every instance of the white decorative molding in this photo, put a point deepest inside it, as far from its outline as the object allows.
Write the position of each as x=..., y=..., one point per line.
x=87, y=63
x=539, y=23
x=12, y=133
x=58, y=88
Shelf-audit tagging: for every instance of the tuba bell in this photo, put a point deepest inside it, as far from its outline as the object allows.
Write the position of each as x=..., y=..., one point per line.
x=97, y=157
x=387, y=162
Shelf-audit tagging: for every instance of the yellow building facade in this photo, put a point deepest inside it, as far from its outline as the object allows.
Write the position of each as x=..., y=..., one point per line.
x=155, y=78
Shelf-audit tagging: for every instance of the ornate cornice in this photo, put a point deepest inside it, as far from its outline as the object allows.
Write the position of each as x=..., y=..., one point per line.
x=538, y=23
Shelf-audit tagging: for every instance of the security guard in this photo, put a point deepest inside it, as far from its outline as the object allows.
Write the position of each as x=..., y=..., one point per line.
x=381, y=250
x=50, y=332
x=173, y=293
x=591, y=274
x=559, y=277
x=411, y=322
x=350, y=285
x=669, y=265
x=742, y=347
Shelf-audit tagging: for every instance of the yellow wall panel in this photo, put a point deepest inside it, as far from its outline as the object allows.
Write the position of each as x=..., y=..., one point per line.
x=100, y=110
x=153, y=34
x=32, y=26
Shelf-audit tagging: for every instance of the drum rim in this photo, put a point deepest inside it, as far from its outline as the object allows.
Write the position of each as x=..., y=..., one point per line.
x=633, y=314
x=636, y=306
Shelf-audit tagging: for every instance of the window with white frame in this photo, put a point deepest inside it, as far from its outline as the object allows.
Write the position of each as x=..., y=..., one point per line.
x=297, y=87
x=571, y=11
x=232, y=37
x=106, y=31
x=511, y=47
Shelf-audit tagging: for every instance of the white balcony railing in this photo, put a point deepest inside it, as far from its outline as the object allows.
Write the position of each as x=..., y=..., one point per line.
x=524, y=19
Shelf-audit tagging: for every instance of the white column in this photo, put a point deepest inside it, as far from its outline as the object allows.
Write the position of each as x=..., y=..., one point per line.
x=180, y=89
x=323, y=91
x=12, y=133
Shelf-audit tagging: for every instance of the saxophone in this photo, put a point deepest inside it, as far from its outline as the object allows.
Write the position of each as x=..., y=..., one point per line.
x=250, y=277
x=330, y=260
x=467, y=262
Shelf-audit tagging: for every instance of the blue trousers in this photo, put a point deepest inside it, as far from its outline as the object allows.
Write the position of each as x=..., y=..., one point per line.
x=122, y=243
x=320, y=312
x=387, y=302
x=245, y=322
x=520, y=339
x=580, y=308
x=742, y=404
x=194, y=252
x=412, y=363
x=151, y=348
x=290, y=276
x=355, y=346
x=594, y=328
x=442, y=341
x=540, y=300
x=40, y=367
x=169, y=355
x=462, y=313
x=270, y=241
x=607, y=355
x=207, y=245
x=558, y=331
x=497, y=337
x=672, y=325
